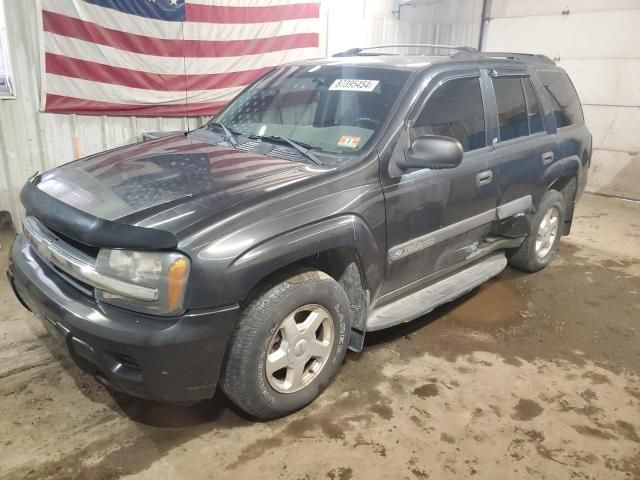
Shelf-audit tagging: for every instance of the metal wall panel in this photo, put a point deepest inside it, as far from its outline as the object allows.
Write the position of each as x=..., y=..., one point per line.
x=614, y=128
x=452, y=22
x=615, y=173
x=527, y=8
x=602, y=35
x=596, y=41
x=606, y=81
x=359, y=23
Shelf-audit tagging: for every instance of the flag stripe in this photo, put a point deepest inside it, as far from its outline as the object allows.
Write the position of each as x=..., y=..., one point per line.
x=109, y=92
x=222, y=14
x=249, y=3
x=91, y=32
x=89, y=51
x=174, y=30
x=65, y=104
x=97, y=72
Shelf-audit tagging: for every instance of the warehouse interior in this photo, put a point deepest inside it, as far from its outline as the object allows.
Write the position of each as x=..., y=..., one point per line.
x=527, y=376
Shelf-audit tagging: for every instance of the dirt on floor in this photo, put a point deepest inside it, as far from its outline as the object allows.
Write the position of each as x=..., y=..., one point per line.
x=528, y=376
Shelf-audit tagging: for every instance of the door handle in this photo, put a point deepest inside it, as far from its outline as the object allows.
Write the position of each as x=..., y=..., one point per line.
x=547, y=158
x=484, y=178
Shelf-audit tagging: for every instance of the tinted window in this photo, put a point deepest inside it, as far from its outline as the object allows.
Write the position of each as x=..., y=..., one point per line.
x=533, y=107
x=512, y=109
x=455, y=110
x=562, y=98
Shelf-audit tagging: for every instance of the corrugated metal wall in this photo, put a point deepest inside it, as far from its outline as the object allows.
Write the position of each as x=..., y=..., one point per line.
x=31, y=141
x=445, y=22
x=598, y=43
x=375, y=22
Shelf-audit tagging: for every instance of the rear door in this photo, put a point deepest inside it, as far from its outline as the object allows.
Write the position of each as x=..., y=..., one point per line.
x=436, y=218
x=523, y=146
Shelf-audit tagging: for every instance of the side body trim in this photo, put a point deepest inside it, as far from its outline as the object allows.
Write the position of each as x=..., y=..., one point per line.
x=502, y=212
x=515, y=207
x=433, y=238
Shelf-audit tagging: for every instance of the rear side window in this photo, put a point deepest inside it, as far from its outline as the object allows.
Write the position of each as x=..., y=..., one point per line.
x=512, y=108
x=563, y=98
x=454, y=110
x=536, y=123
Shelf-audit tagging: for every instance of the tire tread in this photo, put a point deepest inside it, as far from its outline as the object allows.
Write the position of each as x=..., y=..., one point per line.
x=524, y=257
x=244, y=336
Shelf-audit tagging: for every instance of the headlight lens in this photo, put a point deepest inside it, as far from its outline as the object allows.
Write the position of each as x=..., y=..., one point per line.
x=166, y=272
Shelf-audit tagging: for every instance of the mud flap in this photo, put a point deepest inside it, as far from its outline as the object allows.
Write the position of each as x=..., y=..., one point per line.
x=356, y=340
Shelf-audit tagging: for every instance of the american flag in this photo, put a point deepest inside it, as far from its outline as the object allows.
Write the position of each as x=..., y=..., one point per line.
x=166, y=57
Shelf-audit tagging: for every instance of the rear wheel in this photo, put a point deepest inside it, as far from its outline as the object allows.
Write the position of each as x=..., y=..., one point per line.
x=288, y=344
x=538, y=249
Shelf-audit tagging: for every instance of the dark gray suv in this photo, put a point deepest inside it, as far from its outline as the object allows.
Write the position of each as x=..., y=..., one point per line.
x=330, y=198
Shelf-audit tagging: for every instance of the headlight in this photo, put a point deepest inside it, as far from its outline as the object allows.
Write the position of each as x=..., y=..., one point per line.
x=163, y=277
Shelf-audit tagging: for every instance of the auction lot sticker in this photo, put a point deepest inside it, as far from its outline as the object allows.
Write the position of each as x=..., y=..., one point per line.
x=354, y=85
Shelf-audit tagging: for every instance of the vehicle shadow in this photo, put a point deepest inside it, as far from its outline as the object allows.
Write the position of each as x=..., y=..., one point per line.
x=218, y=410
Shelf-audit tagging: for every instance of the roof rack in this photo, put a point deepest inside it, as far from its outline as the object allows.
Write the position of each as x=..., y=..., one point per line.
x=523, y=57
x=462, y=53
x=353, y=52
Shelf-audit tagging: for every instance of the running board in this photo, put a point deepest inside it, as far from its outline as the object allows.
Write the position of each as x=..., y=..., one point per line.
x=424, y=301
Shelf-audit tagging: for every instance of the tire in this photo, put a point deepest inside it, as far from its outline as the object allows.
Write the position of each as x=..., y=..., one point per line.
x=530, y=257
x=264, y=327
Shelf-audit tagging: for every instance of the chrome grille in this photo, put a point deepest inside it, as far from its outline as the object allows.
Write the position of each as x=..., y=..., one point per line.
x=78, y=265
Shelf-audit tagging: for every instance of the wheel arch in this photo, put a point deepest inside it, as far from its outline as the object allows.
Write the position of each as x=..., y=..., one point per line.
x=567, y=185
x=563, y=176
x=343, y=247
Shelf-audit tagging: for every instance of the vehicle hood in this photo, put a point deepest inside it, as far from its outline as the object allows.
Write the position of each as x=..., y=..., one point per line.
x=136, y=183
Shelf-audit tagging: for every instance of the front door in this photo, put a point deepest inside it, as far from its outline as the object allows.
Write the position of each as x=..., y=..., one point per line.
x=436, y=218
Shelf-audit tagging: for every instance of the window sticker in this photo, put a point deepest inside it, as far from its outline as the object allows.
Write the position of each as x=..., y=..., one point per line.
x=348, y=141
x=354, y=85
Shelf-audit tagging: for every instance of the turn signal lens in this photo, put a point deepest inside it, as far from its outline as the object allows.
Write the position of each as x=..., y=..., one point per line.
x=176, y=278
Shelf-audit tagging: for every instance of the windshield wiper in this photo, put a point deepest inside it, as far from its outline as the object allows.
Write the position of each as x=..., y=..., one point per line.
x=227, y=133
x=303, y=148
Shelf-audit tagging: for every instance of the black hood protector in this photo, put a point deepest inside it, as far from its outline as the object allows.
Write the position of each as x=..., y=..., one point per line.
x=89, y=229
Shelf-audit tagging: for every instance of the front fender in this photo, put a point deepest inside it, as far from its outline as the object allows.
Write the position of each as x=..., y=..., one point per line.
x=246, y=271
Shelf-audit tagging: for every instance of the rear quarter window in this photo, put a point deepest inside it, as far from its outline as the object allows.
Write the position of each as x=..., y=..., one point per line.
x=562, y=97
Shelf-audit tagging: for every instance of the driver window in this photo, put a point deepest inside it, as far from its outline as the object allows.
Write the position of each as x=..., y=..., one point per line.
x=454, y=110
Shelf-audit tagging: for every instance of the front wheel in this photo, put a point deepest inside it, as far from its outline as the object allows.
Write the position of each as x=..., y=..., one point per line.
x=288, y=344
x=541, y=244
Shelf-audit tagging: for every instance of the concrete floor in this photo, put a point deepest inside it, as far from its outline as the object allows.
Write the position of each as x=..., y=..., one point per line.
x=529, y=376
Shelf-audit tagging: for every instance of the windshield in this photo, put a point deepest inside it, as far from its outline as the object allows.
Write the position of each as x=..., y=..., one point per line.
x=331, y=108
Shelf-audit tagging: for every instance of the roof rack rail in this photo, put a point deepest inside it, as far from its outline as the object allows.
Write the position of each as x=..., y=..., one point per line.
x=352, y=52
x=525, y=57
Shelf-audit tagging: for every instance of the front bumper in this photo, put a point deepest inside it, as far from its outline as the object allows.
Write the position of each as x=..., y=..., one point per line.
x=168, y=359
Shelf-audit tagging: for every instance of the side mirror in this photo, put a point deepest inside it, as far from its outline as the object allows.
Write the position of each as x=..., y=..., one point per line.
x=432, y=151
